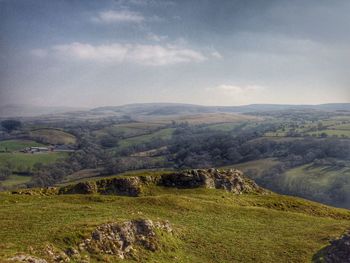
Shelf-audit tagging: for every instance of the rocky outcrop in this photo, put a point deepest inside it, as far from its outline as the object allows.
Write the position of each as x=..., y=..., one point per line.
x=26, y=259
x=338, y=251
x=130, y=186
x=80, y=188
x=121, y=239
x=231, y=180
x=37, y=191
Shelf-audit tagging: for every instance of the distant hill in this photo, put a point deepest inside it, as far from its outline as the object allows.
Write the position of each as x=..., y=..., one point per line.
x=19, y=110
x=160, y=109
x=177, y=108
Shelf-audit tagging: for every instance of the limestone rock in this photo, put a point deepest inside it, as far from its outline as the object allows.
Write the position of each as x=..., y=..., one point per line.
x=80, y=188
x=231, y=180
x=338, y=251
x=121, y=239
x=26, y=259
x=129, y=186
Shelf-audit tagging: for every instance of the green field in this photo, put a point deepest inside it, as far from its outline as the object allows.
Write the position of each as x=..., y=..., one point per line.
x=223, y=126
x=53, y=136
x=14, y=180
x=129, y=129
x=330, y=132
x=257, y=166
x=16, y=145
x=164, y=134
x=345, y=126
x=317, y=182
x=210, y=225
x=24, y=161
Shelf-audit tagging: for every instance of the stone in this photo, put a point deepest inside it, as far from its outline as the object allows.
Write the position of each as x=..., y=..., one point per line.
x=338, y=251
x=120, y=239
x=26, y=259
x=230, y=180
x=80, y=188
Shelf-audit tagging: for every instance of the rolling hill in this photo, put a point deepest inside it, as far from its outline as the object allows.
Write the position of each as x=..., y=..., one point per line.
x=187, y=223
x=157, y=109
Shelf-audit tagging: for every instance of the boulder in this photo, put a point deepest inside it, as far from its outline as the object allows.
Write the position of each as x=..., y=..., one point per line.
x=129, y=186
x=120, y=239
x=338, y=251
x=80, y=188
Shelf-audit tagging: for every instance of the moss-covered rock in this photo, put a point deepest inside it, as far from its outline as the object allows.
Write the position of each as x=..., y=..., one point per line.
x=80, y=188
x=121, y=239
x=231, y=180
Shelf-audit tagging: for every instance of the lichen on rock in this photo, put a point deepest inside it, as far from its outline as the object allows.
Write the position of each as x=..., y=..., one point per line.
x=121, y=239
x=231, y=180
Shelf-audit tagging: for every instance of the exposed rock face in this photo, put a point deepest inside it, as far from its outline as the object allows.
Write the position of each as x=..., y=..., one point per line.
x=339, y=250
x=115, y=239
x=121, y=239
x=130, y=186
x=80, y=188
x=37, y=191
x=231, y=180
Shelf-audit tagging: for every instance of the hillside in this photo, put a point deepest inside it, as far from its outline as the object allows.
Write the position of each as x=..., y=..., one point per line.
x=191, y=216
x=157, y=109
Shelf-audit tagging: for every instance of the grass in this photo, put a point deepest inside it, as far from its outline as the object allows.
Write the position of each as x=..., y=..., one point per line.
x=257, y=165
x=212, y=118
x=15, y=180
x=16, y=145
x=317, y=182
x=345, y=126
x=163, y=134
x=223, y=126
x=210, y=225
x=330, y=132
x=22, y=161
x=129, y=129
x=53, y=136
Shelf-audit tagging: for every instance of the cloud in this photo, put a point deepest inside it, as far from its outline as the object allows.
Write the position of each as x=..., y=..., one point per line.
x=237, y=90
x=229, y=94
x=122, y=16
x=216, y=54
x=154, y=55
x=155, y=37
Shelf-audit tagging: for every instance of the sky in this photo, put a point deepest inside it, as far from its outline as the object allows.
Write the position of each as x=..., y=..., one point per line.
x=226, y=52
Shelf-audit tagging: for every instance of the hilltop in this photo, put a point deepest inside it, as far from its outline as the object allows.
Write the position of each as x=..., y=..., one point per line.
x=183, y=216
x=156, y=109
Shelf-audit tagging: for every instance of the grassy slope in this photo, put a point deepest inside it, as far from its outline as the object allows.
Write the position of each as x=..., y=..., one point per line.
x=211, y=225
x=161, y=134
x=14, y=180
x=16, y=145
x=25, y=160
x=54, y=136
x=257, y=165
x=314, y=181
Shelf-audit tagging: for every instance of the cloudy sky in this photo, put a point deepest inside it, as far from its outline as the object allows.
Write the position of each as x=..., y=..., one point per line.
x=234, y=52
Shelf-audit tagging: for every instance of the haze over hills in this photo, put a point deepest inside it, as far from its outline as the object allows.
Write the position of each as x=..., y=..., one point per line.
x=14, y=110
x=26, y=110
